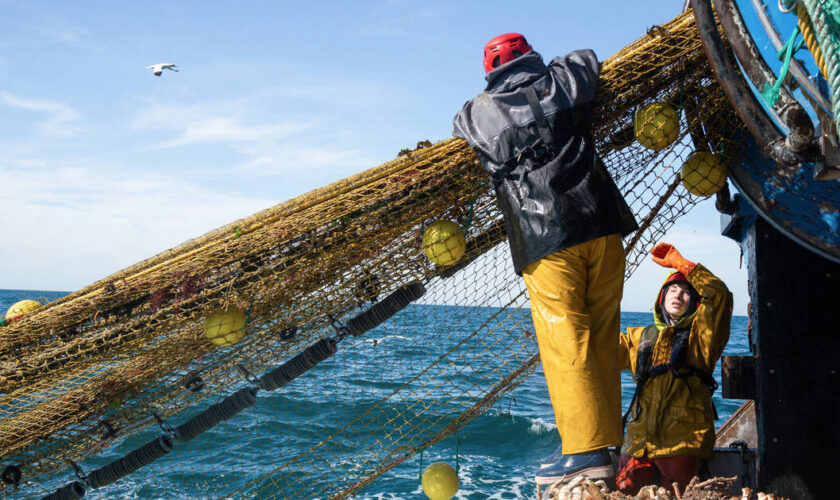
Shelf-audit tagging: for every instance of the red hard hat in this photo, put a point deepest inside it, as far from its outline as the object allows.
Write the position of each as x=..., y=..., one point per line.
x=504, y=48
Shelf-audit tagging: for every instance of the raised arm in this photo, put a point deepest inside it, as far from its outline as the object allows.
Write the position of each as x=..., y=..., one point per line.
x=710, y=328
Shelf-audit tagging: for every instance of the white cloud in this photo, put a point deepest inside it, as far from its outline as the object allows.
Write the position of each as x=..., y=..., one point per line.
x=83, y=210
x=263, y=128
x=59, y=30
x=228, y=129
x=70, y=226
x=234, y=120
x=399, y=20
x=66, y=35
x=312, y=162
x=59, y=116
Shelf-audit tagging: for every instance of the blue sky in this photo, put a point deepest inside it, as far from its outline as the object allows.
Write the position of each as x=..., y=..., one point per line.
x=103, y=164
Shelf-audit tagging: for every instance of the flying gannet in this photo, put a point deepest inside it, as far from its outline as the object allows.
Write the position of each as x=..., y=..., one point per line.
x=157, y=69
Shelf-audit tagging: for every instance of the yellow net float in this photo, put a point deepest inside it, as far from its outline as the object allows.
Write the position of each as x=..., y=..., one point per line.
x=440, y=481
x=444, y=242
x=657, y=125
x=225, y=327
x=703, y=173
x=21, y=308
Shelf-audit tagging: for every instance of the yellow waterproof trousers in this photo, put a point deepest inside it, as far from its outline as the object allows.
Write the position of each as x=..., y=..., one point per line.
x=575, y=303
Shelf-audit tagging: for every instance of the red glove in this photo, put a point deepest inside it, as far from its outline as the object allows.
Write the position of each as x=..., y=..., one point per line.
x=666, y=255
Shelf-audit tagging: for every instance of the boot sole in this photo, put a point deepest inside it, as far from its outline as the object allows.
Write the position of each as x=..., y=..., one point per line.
x=593, y=473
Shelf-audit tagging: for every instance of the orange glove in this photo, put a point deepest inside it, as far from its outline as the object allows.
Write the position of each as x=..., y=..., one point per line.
x=666, y=255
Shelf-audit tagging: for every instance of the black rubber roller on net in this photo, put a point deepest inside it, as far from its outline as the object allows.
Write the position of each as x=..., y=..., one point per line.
x=223, y=410
x=296, y=366
x=383, y=310
x=117, y=469
x=70, y=491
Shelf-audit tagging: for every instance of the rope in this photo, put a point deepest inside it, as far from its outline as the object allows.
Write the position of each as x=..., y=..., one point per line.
x=421, y=466
x=70, y=491
x=825, y=16
x=124, y=466
x=293, y=368
x=771, y=93
x=457, y=455
x=384, y=309
x=223, y=410
x=469, y=214
x=248, y=316
x=807, y=30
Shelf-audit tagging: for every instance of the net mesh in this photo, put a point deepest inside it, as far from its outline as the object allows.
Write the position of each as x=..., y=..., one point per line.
x=88, y=370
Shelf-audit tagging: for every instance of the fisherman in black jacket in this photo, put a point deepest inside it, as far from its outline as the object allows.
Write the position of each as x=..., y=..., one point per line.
x=564, y=215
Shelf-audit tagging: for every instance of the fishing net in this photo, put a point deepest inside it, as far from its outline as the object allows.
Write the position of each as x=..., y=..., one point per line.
x=300, y=294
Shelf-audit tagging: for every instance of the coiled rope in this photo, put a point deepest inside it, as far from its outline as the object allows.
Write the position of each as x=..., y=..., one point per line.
x=825, y=18
x=804, y=23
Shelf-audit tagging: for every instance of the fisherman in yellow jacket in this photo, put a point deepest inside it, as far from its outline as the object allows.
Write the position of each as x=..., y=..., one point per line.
x=670, y=423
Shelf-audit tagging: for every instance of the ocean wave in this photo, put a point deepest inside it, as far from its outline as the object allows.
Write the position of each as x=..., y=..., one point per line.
x=539, y=426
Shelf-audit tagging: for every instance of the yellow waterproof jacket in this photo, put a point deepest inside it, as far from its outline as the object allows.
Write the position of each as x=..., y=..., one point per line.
x=676, y=415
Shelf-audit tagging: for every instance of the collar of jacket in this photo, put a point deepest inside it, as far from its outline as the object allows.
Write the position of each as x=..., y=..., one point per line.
x=510, y=75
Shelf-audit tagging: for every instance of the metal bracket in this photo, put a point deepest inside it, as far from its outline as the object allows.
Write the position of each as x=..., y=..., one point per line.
x=341, y=331
x=110, y=430
x=194, y=384
x=250, y=377
x=164, y=425
x=288, y=333
x=746, y=477
x=827, y=167
x=79, y=472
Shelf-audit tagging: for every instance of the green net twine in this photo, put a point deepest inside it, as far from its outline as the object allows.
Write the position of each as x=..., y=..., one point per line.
x=457, y=455
x=770, y=93
x=420, y=478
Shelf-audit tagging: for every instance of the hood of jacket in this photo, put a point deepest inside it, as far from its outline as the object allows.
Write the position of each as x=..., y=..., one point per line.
x=659, y=315
x=522, y=70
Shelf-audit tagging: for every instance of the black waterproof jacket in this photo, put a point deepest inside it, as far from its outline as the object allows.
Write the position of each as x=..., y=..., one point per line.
x=531, y=130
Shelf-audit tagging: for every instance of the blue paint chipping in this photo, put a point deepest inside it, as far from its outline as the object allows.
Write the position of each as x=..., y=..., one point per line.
x=798, y=204
x=832, y=219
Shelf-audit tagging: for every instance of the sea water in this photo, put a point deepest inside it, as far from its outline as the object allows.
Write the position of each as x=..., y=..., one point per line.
x=497, y=453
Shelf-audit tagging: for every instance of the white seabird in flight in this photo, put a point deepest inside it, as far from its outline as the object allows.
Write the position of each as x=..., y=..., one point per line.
x=157, y=69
